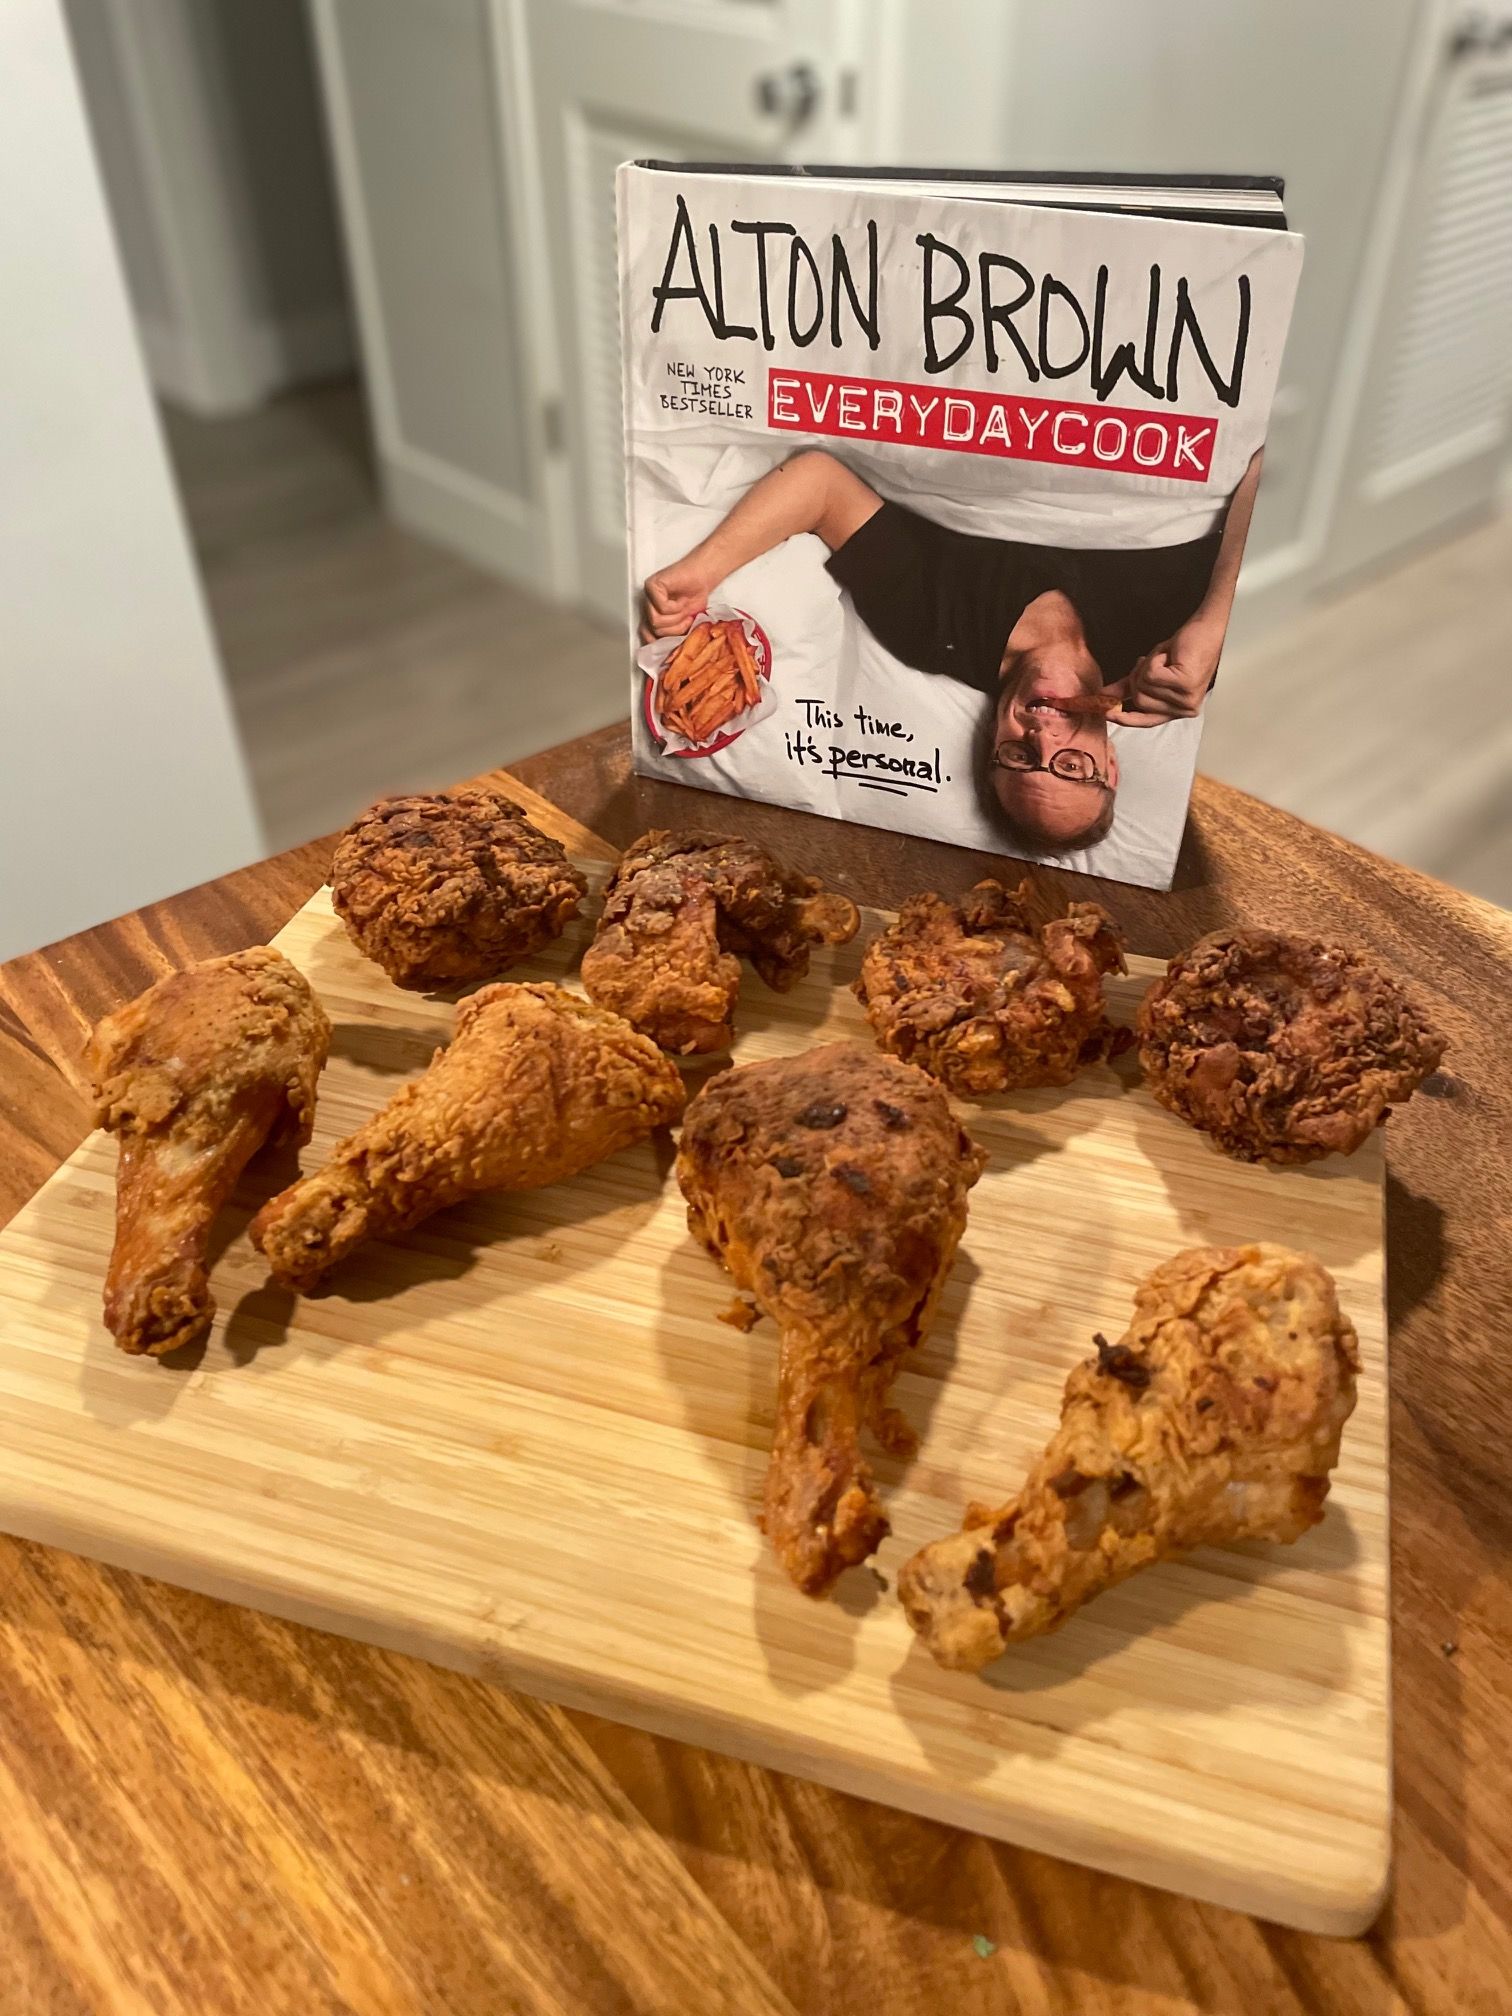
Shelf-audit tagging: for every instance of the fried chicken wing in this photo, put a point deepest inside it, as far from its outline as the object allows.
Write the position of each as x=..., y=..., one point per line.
x=678, y=910
x=1216, y=1418
x=534, y=1086
x=833, y=1187
x=978, y=995
x=1282, y=1049
x=193, y=1077
x=442, y=889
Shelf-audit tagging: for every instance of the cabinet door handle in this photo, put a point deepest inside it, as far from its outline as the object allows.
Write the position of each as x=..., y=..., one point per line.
x=791, y=95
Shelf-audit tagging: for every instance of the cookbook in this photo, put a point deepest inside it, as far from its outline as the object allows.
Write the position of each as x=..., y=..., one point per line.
x=938, y=487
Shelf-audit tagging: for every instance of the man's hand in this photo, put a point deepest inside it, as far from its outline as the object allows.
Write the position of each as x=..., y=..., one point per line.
x=1171, y=682
x=674, y=596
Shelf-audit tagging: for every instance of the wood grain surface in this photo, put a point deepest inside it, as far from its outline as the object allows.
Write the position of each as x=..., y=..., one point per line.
x=529, y=1408
x=206, y=1810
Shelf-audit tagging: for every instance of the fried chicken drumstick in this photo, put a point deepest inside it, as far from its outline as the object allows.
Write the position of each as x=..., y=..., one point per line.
x=833, y=1187
x=678, y=909
x=1216, y=1418
x=194, y=1076
x=1282, y=1049
x=978, y=995
x=534, y=1086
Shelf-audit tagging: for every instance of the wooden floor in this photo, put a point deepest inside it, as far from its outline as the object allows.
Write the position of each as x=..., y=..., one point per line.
x=363, y=659
x=1386, y=713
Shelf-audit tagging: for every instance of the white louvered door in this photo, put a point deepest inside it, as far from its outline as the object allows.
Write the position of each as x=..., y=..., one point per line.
x=1432, y=431
x=614, y=80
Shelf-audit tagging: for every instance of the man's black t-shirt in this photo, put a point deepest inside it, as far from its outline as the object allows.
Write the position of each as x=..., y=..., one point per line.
x=945, y=601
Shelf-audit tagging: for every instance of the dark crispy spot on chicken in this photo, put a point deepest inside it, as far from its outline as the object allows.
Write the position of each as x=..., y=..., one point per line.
x=893, y=1117
x=1117, y=1361
x=823, y=1114
x=855, y=1180
x=981, y=1576
x=787, y=1165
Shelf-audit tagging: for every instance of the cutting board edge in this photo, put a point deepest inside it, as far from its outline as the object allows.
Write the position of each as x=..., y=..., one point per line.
x=1345, y=1908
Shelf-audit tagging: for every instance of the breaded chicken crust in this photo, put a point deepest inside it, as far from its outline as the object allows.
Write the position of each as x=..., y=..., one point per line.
x=535, y=1085
x=977, y=994
x=833, y=1186
x=1281, y=1048
x=678, y=911
x=1216, y=1417
x=441, y=889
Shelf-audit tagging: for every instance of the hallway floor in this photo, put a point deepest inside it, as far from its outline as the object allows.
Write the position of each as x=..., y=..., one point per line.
x=362, y=659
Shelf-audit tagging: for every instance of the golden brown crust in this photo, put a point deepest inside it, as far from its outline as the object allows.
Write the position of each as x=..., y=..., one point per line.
x=441, y=889
x=535, y=1085
x=677, y=911
x=194, y=1076
x=1281, y=1048
x=1217, y=1417
x=986, y=1000
x=833, y=1187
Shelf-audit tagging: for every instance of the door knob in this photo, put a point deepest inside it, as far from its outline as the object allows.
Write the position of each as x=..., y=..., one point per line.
x=791, y=95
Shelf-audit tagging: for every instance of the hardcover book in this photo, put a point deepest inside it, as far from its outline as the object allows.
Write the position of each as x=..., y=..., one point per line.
x=938, y=489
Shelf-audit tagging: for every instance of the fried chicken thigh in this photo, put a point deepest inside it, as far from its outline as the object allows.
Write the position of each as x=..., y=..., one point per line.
x=833, y=1187
x=677, y=911
x=534, y=1086
x=443, y=888
x=193, y=1077
x=978, y=995
x=1282, y=1049
x=1216, y=1418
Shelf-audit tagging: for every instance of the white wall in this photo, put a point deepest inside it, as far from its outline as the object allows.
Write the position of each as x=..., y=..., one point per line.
x=120, y=775
x=207, y=122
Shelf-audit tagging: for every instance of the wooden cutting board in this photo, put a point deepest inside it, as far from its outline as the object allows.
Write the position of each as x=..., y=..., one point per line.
x=521, y=1442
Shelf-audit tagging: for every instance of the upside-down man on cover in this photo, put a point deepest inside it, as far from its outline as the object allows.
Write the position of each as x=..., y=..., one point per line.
x=1060, y=639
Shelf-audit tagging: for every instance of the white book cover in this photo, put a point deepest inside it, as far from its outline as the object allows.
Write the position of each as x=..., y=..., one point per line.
x=937, y=500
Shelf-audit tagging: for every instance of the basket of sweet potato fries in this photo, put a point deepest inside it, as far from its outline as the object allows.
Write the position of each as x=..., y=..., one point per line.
x=706, y=687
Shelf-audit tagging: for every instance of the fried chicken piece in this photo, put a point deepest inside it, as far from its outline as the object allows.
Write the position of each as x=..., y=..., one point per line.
x=535, y=1085
x=1282, y=1049
x=194, y=1076
x=833, y=1187
x=977, y=994
x=442, y=889
x=1216, y=1418
x=677, y=910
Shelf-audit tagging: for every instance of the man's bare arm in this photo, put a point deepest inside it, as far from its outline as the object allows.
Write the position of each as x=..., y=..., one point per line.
x=810, y=493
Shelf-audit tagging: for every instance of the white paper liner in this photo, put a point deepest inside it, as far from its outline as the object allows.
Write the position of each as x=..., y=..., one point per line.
x=653, y=656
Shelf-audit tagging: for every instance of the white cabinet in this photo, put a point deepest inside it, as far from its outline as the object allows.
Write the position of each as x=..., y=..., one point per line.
x=1428, y=434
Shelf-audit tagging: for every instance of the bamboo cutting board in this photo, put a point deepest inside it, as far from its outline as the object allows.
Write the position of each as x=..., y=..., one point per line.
x=521, y=1442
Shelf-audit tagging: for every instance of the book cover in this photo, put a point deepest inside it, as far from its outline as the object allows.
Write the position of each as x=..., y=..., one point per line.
x=937, y=500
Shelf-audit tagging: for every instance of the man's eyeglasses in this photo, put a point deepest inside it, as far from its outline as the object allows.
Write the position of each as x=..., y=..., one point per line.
x=1079, y=765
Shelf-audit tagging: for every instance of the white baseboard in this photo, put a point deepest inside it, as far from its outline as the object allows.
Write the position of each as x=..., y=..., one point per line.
x=267, y=357
x=458, y=512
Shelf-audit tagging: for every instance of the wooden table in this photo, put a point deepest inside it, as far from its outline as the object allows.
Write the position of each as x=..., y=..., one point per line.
x=205, y=1810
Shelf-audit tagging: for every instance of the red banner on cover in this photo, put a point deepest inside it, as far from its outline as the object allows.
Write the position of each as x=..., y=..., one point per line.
x=1014, y=425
